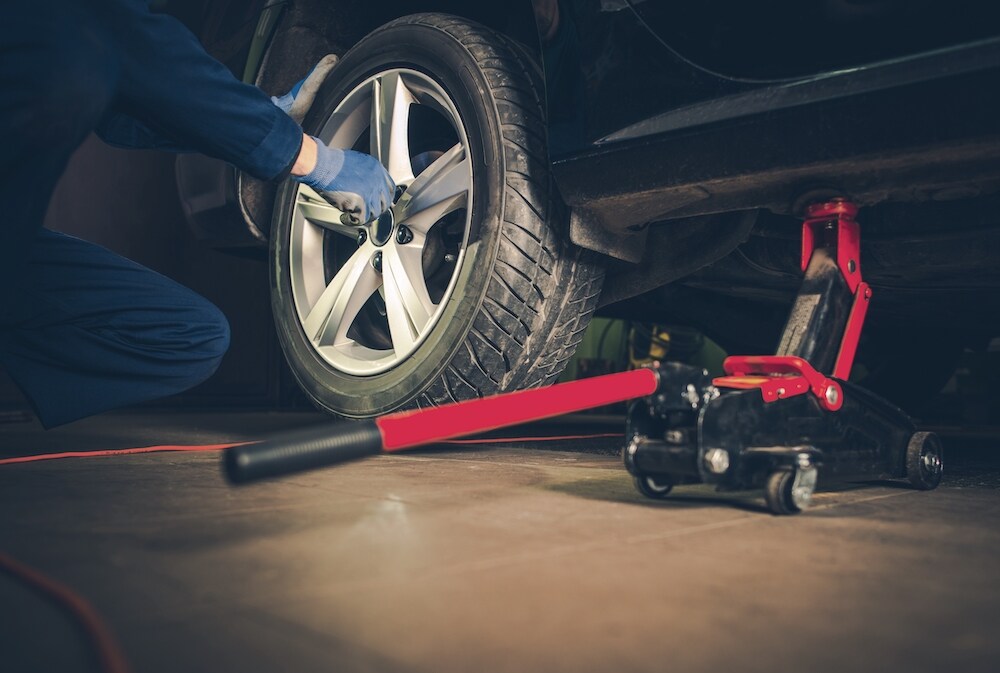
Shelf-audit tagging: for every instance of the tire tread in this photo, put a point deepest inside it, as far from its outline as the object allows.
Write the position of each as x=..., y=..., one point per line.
x=553, y=321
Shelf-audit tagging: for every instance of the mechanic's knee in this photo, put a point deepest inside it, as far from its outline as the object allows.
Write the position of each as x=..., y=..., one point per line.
x=209, y=337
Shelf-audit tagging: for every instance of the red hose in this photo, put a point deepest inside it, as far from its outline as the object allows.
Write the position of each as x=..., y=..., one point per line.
x=108, y=652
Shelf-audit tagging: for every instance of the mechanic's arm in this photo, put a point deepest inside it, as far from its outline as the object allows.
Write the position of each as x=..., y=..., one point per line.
x=179, y=92
x=121, y=130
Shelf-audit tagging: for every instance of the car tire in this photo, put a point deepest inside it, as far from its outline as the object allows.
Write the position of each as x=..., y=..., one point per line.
x=520, y=296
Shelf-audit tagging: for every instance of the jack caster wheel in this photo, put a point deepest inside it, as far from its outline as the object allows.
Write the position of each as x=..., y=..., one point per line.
x=657, y=488
x=924, y=461
x=790, y=491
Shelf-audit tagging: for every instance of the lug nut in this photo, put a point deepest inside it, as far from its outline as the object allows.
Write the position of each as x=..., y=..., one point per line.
x=377, y=262
x=403, y=235
x=717, y=460
x=362, y=237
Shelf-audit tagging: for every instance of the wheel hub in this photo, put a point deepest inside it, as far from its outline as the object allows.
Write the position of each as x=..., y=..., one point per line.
x=381, y=229
x=803, y=486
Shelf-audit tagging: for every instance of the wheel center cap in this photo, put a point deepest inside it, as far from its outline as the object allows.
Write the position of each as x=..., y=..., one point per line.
x=381, y=229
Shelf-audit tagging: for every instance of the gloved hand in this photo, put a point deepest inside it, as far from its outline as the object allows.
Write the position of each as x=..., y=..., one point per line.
x=296, y=103
x=354, y=183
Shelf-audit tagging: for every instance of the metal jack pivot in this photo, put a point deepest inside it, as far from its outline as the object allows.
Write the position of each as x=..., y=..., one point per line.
x=774, y=422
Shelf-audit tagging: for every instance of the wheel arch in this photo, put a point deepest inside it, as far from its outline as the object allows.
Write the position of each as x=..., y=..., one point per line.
x=334, y=26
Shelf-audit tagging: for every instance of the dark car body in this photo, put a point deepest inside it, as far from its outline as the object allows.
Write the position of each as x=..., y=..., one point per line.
x=686, y=138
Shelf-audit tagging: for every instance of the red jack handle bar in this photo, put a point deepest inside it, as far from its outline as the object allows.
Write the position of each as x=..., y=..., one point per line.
x=329, y=445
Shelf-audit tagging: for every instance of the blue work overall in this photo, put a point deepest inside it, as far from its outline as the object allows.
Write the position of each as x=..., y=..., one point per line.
x=83, y=330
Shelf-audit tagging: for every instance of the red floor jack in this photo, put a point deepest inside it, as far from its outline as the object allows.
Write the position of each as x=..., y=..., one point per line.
x=772, y=422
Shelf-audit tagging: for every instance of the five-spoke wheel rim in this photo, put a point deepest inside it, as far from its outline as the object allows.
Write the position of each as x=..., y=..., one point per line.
x=368, y=297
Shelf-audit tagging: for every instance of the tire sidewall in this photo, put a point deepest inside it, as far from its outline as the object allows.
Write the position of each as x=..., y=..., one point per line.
x=443, y=58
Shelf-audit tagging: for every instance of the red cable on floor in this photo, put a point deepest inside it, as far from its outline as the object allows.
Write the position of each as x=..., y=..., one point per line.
x=501, y=440
x=221, y=447
x=108, y=651
x=117, y=452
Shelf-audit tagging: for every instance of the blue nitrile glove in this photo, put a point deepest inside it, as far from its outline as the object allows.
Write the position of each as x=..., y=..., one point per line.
x=354, y=183
x=296, y=103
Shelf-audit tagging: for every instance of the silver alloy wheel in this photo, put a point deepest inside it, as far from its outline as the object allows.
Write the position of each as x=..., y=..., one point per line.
x=386, y=276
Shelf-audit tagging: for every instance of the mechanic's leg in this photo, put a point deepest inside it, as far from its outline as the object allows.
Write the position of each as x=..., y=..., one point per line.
x=97, y=331
x=58, y=74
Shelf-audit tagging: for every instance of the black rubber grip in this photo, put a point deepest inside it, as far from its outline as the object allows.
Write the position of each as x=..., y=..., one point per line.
x=302, y=450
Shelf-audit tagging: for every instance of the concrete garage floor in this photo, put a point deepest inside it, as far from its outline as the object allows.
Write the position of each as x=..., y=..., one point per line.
x=512, y=559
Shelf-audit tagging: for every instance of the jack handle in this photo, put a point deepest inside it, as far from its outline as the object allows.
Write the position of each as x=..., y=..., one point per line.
x=328, y=445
